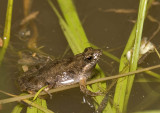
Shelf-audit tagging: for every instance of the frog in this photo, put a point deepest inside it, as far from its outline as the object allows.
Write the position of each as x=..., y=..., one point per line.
x=59, y=73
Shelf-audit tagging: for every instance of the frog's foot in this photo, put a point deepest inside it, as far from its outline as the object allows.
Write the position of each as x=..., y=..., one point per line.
x=88, y=92
x=46, y=90
x=50, y=95
x=84, y=89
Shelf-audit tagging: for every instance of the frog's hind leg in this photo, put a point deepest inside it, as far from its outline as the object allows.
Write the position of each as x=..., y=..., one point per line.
x=84, y=89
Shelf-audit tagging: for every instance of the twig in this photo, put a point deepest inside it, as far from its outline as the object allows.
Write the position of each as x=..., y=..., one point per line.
x=30, y=103
x=8, y=100
x=122, y=11
x=103, y=104
x=157, y=30
x=29, y=17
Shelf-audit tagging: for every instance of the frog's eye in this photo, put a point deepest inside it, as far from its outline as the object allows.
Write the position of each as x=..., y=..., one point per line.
x=89, y=58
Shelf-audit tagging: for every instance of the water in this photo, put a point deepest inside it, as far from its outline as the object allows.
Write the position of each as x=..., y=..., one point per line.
x=107, y=30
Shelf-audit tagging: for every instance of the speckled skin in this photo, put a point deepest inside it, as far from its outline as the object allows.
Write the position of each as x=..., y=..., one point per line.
x=57, y=73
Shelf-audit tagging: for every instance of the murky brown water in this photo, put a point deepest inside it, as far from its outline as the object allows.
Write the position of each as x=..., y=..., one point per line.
x=107, y=30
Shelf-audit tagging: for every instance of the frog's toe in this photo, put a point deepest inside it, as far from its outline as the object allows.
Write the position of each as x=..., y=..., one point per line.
x=50, y=95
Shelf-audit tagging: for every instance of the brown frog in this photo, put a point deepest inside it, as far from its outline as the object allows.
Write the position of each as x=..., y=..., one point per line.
x=57, y=73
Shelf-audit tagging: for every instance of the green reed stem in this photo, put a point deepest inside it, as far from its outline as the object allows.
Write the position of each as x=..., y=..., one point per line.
x=124, y=84
x=7, y=29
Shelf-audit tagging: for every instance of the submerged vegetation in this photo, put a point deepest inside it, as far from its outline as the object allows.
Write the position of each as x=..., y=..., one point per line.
x=77, y=40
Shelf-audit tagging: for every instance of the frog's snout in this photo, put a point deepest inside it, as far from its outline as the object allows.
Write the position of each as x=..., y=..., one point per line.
x=97, y=54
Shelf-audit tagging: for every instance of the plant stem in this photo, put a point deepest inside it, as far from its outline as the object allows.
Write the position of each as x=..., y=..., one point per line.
x=18, y=98
x=7, y=29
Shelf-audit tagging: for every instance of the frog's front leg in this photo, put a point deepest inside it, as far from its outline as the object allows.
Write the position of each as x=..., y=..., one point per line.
x=84, y=89
x=47, y=90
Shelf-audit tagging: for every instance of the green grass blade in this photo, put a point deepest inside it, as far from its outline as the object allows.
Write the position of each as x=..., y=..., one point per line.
x=32, y=110
x=67, y=32
x=41, y=102
x=7, y=29
x=124, y=85
x=17, y=109
x=135, y=56
x=75, y=27
x=149, y=111
x=71, y=17
x=75, y=35
x=38, y=106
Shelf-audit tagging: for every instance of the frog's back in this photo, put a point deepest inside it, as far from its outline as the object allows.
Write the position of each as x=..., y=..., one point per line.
x=49, y=74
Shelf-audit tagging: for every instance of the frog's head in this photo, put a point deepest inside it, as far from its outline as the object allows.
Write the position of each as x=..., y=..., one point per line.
x=91, y=56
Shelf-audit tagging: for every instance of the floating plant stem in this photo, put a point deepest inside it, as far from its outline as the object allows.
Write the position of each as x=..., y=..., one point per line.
x=18, y=98
x=36, y=95
x=157, y=52
x=7, y=29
